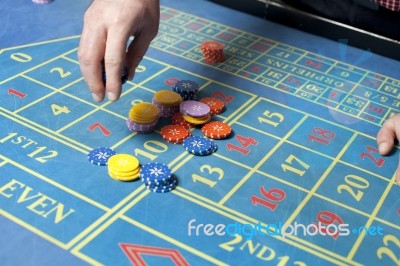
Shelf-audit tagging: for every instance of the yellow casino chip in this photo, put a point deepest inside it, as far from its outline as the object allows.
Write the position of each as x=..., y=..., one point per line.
x=123, y=163
x=197, y=120
x=168, y=98
x=144, y=113
x=124, y=178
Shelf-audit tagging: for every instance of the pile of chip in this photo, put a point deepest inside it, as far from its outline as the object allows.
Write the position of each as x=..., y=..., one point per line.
x=199, y=145
x=216, y=130
x=143, y=117
x=213, y=52
x=195, y=112
x=177, y=119
x=187, y=89
x=167, y=102
x=174, y=134
x=158, y=177
x=216, y=105
x=123, y=167
x=100, y=156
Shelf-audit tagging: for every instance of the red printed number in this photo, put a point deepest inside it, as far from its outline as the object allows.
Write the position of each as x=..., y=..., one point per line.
x=245, y=142
x=321, y=135
x=378, y=162
x=16, y=93
x=271, y=197
x=102, y=128
x=326, y=218
x=224, y=98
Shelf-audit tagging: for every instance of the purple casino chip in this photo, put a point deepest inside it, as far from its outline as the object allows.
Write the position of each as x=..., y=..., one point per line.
x=141, y=128
x=194, y=108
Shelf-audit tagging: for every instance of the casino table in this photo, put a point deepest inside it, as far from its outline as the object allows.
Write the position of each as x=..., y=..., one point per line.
x=299, y=181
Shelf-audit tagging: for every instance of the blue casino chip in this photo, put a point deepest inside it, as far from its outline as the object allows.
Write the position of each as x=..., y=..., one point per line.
x=155, y=172
x=186, y=86
x=100, y=156
x=199, y=145
x=171, y=183
x=161, y=190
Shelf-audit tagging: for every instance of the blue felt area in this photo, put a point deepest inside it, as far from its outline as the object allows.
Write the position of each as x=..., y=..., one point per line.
x=23, y=22
x=30, y=248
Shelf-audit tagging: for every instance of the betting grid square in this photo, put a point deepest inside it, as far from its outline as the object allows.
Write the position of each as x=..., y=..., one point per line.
x=62, y=89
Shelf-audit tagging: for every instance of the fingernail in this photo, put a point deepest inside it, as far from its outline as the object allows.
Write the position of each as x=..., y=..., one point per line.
x=96, y=97
x=112, y=96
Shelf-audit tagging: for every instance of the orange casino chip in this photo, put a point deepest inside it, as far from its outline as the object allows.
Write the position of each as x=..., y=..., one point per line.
x=174, y=133
x=216, y=130
x=216, y=105
x=213, y=52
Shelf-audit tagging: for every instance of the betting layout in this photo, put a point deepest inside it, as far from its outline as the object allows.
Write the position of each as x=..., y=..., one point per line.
x=300, y=151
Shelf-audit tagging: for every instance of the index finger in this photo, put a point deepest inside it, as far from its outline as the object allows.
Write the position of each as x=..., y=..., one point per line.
x=90, y=54
x=387, y=134
x=113, y=61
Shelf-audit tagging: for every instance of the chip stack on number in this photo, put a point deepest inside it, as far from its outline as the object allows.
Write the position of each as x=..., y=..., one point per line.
x=123, y=167
x=213, y=52
x=186, y=88
x=167, y=101
x=195, y=112
x=143, y=117
x=158, y=177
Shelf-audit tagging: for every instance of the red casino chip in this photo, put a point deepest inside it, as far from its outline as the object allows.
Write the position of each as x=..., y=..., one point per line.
x=216, y=130
x=216, y=105
x=174, y=133
x=177, y=119
x=213, y=52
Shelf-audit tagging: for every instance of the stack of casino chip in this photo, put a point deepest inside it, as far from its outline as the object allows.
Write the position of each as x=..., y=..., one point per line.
x=199, y=145
x=177, y=119
x=123, y=167
x=195, y=112
x=157, y=177
x=216, y=130
x=186, y=88
x=100, y=156
x=213, y=52
x=167, y=102
x=216, y=106
x=174, y=134
x=143, y=117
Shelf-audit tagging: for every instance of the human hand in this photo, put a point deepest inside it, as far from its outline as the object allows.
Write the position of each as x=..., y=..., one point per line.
x=389, y=132
x=108, y=25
